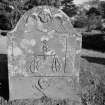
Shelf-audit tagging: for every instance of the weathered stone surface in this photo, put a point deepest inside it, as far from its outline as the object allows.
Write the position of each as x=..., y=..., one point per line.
x=44, y=50
x=3, y=45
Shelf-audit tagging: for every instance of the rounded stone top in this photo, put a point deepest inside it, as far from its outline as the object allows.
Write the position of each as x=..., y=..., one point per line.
x=45, y=16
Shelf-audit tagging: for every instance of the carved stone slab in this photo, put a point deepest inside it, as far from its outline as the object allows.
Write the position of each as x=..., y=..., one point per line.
x=3, y=45
x=43, y=55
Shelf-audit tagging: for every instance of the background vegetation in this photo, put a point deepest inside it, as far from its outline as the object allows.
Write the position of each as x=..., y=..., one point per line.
x=90, y=15
x=12, y=10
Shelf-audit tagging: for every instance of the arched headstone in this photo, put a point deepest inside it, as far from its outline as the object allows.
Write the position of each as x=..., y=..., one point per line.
x=43, y=54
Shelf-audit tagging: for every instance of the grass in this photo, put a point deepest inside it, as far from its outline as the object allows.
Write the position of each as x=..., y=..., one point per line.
x=92, y=77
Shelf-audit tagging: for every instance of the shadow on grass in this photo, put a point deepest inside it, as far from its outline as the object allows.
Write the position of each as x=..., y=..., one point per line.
x=4, y=82
x=95, y=60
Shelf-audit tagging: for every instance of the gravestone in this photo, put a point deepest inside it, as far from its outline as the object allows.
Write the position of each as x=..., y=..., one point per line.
x=3, y=44
x=43, y=55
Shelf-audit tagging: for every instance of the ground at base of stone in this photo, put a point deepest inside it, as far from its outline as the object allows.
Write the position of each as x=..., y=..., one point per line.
x=42, y=101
